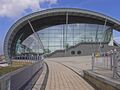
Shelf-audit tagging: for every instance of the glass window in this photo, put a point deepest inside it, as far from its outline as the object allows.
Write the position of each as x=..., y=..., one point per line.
x=57, y=37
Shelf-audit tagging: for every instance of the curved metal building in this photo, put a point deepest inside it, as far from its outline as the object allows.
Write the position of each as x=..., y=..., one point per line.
x=59, y=29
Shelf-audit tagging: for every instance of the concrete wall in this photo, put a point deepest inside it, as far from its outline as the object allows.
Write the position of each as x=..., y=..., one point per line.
x=86, y=49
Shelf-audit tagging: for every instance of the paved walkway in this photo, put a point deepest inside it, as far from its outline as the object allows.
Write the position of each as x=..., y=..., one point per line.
x=62, y=78
x=78, y=64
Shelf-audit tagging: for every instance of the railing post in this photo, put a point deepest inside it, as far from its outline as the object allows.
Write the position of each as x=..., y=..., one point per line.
x=114, y=64
x=111, y=59
x=93, y=61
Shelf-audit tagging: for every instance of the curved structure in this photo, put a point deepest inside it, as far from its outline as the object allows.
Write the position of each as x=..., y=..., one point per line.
x=37, y=21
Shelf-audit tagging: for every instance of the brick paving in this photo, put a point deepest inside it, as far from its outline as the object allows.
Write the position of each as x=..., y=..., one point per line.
x=78, y=64
x=62, y=78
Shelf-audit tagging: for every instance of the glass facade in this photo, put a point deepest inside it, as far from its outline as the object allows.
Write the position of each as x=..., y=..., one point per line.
x=63, y=36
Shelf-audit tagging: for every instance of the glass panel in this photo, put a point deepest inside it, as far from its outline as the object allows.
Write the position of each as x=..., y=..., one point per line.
x=60, y=37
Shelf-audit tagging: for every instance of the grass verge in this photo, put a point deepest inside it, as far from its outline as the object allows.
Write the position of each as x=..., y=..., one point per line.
x=14, y=66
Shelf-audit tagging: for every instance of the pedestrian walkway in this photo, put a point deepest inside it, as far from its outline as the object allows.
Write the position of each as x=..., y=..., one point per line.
x=62, y=78
x=78, y=64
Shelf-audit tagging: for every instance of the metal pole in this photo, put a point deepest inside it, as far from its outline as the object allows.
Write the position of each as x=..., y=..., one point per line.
x=103, y=36
x=114, y=64
x=35, y=33
x=92, y=61
x=66, y=32
x=111, y=59
x=66, y=25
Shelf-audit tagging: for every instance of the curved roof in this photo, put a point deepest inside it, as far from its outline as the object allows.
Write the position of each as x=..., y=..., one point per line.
x=50, y=17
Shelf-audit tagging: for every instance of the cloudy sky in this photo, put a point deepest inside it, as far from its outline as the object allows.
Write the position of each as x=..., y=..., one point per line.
x=12, y=10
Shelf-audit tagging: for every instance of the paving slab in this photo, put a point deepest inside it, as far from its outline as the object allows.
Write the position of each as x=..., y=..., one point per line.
x=78, y=63
x=62, y=78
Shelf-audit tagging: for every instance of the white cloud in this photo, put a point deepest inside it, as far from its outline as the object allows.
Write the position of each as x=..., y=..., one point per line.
x=13, y=8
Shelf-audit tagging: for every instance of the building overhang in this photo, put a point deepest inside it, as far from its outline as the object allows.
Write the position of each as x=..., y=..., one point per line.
x=51, y=17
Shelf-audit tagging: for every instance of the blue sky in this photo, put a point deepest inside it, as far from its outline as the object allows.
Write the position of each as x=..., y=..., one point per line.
x=11, y=10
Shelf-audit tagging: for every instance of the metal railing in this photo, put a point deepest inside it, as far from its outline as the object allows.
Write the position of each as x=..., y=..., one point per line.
x=116, y=64
x=24, y=77
x=30, y=57
x=107, y=61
